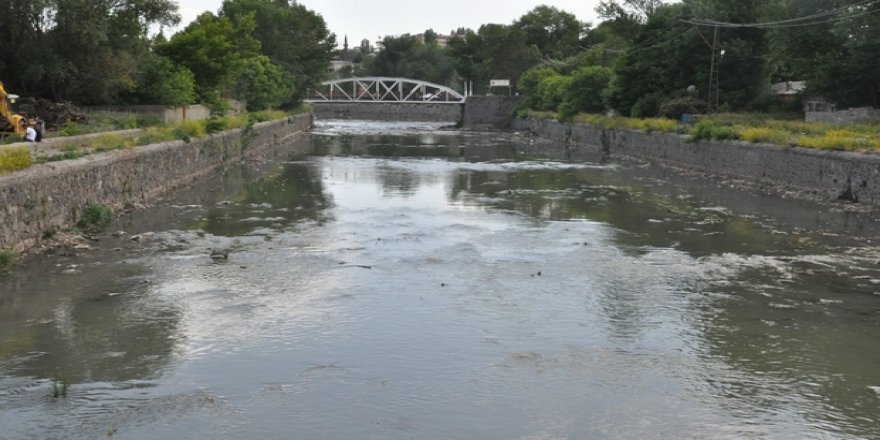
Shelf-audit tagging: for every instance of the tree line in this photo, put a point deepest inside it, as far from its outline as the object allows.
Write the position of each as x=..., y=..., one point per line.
x=644, y=58
x=650, y=57
x=268, y=53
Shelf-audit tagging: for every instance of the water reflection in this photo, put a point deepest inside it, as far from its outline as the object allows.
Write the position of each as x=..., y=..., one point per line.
x=449, y=285
x=91, y=325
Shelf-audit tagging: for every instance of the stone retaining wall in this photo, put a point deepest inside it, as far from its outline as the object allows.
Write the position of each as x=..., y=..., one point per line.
x=51, y=196
x=489, y=112
x=826, y=175
x=849, y=116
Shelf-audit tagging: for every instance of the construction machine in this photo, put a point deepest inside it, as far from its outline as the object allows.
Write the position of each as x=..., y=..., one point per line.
x=11, y=123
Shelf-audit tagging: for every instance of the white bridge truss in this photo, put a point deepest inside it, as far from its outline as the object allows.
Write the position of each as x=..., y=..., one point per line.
x=385, y=89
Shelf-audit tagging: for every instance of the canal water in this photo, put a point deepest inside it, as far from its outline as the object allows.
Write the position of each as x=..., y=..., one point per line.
x=406, y=281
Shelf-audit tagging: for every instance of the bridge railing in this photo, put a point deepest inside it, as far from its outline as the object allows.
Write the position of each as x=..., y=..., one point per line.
x=385, y=89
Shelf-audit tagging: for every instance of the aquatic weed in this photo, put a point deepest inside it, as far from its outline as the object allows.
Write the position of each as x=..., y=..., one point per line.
x=59, y=388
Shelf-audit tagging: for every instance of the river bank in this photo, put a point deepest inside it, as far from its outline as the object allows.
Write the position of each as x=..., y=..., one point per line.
x=39, y=201
x=816, y=175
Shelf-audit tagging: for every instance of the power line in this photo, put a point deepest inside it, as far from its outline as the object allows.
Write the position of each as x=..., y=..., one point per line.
x=830, y=17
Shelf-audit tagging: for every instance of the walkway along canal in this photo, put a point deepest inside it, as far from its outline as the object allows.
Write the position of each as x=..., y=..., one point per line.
x=399, y=281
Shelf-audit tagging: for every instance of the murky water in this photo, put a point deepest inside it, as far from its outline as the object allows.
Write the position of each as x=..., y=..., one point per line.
x=406, y=282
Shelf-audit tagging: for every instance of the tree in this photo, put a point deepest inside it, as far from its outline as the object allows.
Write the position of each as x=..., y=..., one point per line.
x=78, y=49
x=584, y=92
x=292, y=36
x=838, y=57
x=552, y=90
x=405, y=57
x=638, y=11
x=264, y=85
x=215, y=50
x=164, y=82
x=555, y=33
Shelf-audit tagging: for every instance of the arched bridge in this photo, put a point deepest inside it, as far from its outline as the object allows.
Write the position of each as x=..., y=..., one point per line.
x=385, y=90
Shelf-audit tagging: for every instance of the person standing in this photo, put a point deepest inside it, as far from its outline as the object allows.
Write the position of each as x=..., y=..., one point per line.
x=30, y=133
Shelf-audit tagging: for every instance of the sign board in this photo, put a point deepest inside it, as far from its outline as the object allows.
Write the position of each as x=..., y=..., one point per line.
x=499, y=83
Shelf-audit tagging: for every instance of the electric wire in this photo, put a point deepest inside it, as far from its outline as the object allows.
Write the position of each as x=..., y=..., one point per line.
x=831, y=16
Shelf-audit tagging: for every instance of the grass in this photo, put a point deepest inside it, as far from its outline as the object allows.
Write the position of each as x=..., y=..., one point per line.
x=778, y=129
x=14, y=158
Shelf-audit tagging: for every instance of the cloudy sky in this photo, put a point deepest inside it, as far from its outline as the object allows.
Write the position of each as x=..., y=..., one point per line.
x=371, y=19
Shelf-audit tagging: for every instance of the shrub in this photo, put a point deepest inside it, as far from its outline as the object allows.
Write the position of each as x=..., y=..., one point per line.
x=552, y=91
x=527, y=86
x=660, y=124
x=648, y=105
x=838, y=140
x=112, y=142
x=674, y=108
x=216, y=124
x=14, y=158
x=7, y=259
x=764, y=134
x=71, y=129
x=95, y=217
x=711, y=130
x=154, y=135
x=583, y=92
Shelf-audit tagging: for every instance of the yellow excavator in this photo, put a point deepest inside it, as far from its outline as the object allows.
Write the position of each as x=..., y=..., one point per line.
x=11, y=123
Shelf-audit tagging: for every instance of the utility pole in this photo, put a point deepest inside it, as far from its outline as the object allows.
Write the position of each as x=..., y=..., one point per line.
x=713, y=73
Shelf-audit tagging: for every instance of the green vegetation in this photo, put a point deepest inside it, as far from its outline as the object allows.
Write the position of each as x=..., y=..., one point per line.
x=266, y=53
x=14, y=158
x=59, y=388
x=7, y=259
x=746, y=127
x=95, y=217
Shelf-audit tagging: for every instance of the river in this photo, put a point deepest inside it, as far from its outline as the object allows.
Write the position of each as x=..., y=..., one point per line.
x=406, y=281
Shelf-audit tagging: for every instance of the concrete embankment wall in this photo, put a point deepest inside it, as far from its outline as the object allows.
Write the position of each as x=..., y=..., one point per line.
x=825, y=175
x=379, y=111
x=51, y=196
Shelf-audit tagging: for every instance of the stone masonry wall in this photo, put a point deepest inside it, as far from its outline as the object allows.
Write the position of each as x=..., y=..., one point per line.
x=827, y=175
x=860, y=114
x=489, y=112
x=51, y=196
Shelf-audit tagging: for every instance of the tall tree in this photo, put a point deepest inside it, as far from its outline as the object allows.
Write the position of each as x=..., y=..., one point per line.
x=78, y=49
x=406, y=57
x=215, y=50
x=555, y=33
x=837, y=56
x=292, y=36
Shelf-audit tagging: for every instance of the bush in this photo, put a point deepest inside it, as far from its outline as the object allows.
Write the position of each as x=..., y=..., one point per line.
x=95, y=217
x=155, y=135
x=839, y=140
x=583, y=93
x=764, y=134
x=648, y=106
x=674, y=108
x=216, y=124
x=711, y=130
x=552, y=91
x=14, y=158
x=660, y=124
x=7, y=259
x=528, y=83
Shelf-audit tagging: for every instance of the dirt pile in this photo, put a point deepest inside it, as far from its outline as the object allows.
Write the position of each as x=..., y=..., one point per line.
x=54, y=114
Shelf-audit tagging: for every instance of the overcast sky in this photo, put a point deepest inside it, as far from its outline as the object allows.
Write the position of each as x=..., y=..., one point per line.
x=371, y=19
